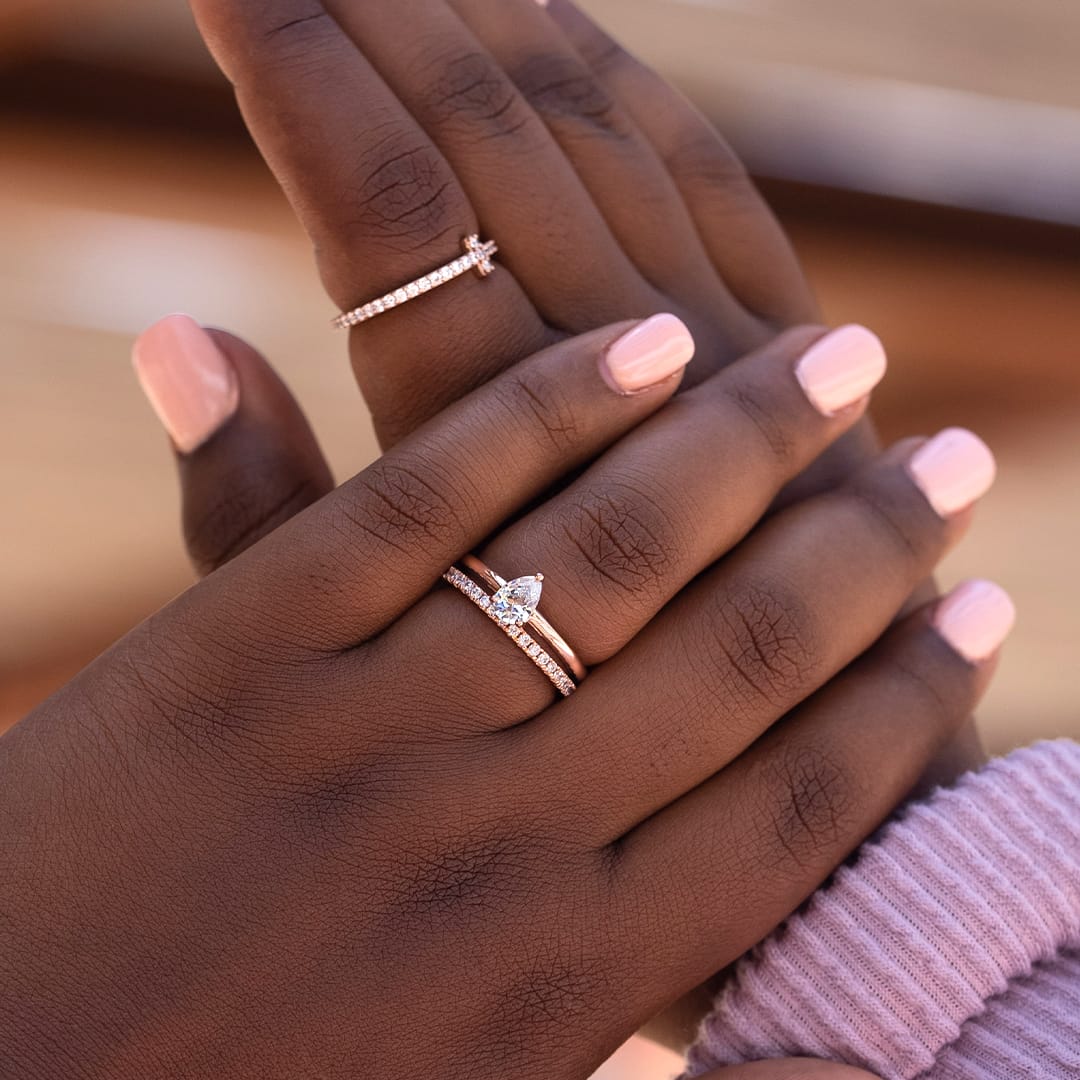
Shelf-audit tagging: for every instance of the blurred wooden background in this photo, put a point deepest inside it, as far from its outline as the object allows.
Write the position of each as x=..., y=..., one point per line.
x=924, y=156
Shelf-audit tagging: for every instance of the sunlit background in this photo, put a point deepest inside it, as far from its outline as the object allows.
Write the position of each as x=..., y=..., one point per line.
x=925, y=156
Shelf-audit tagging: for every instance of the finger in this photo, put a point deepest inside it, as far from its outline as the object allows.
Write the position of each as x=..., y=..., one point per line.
x=789, y=1069
x=743, y=239
x=358, y=559
x=658, y=508
x=792, y=607
x=525, y=192
x=381, y=203
x=247, y=458
x=663, y=504
x=761, y=836
x=616, y=164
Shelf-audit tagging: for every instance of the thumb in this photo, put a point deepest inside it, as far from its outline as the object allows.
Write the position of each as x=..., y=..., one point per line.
x=248, y=460
x=790, y=1069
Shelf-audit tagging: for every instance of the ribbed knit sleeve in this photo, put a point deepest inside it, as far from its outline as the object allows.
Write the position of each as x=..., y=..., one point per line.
x=948, y=949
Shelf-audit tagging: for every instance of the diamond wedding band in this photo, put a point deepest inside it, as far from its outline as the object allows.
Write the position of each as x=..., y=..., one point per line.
x=478, y=256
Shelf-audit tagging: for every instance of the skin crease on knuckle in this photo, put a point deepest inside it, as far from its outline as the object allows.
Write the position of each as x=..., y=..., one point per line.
x=807, y=805
x=470, y=92
x=561, y=89
x=761, y=648
x=401, y=197
x=624, y=538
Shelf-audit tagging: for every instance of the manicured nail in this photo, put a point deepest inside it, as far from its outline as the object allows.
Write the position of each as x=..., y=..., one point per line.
x=953, y=470
x=841, y=369
x=650, y=353
x=189, y=381
x=975, y=619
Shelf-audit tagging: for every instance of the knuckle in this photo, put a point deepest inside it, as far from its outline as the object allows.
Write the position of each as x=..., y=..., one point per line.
x=406, y=199
x=623, y=535
x=321, y=804
x=401, y=501
x=562, y=88
x=604, y=55
x=530, y=392
x=475, y=873
x=705, y=160
x=807, y=805
x=470, y=89
x=296, y=40
x=890, y=518
x=935, y=699
x=554, y=988
x=761, y=639
x=757, y=405
x=301, y=28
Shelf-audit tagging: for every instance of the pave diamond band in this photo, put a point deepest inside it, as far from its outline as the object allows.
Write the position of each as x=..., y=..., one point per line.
x=478, y=256
x=505, y=611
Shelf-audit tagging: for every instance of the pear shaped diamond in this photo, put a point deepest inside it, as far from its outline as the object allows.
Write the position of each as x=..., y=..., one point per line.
x=516, y=602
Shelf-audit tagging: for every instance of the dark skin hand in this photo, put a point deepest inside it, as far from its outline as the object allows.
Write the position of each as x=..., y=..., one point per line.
x=318, y=818
x=398, y=128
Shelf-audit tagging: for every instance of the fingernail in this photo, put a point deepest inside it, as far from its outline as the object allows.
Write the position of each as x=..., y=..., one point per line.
x=953, y=470
x=189, y=381
x=650, y=353
x=975, y=619
x=841, y=369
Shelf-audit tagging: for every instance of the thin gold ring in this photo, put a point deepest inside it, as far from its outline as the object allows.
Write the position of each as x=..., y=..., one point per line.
x=478, y=256
x=537, y=623
x=532, y=649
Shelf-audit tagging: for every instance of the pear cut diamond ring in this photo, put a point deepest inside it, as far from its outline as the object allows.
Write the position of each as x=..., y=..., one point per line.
x=512, y=605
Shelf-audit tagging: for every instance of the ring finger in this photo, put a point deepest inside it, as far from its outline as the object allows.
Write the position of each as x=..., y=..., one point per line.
x=664, y=503
x=810, y=592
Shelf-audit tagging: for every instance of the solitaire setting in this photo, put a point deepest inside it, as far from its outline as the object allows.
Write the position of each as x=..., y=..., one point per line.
x=479, y=256
x=532, y=648
x=516, y=602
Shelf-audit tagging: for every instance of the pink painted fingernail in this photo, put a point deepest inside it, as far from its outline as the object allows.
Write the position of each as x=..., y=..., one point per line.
x=953, y=470
x=650, y=353
x=841, y=369
x=975, y=619
x=189, y=381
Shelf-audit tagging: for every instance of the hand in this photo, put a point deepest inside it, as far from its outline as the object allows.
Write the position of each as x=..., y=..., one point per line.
x=397, y=129
x=312, y=792
x=423, y=121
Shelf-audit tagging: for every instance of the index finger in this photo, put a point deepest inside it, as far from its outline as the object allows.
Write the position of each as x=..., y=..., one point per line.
x=380, y=201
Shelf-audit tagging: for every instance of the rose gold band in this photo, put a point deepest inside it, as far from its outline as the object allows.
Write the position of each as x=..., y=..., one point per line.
x=469, y=589
x=478, y=256
x=537, y=624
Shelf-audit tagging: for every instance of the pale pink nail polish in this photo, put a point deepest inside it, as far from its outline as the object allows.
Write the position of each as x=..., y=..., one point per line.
x=953, y=470
x=190, y=383
x=841, y=369
x=975, y=619
x=650, y=353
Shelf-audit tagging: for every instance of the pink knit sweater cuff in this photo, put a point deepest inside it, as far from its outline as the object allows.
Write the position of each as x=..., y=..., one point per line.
x=945, y=910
